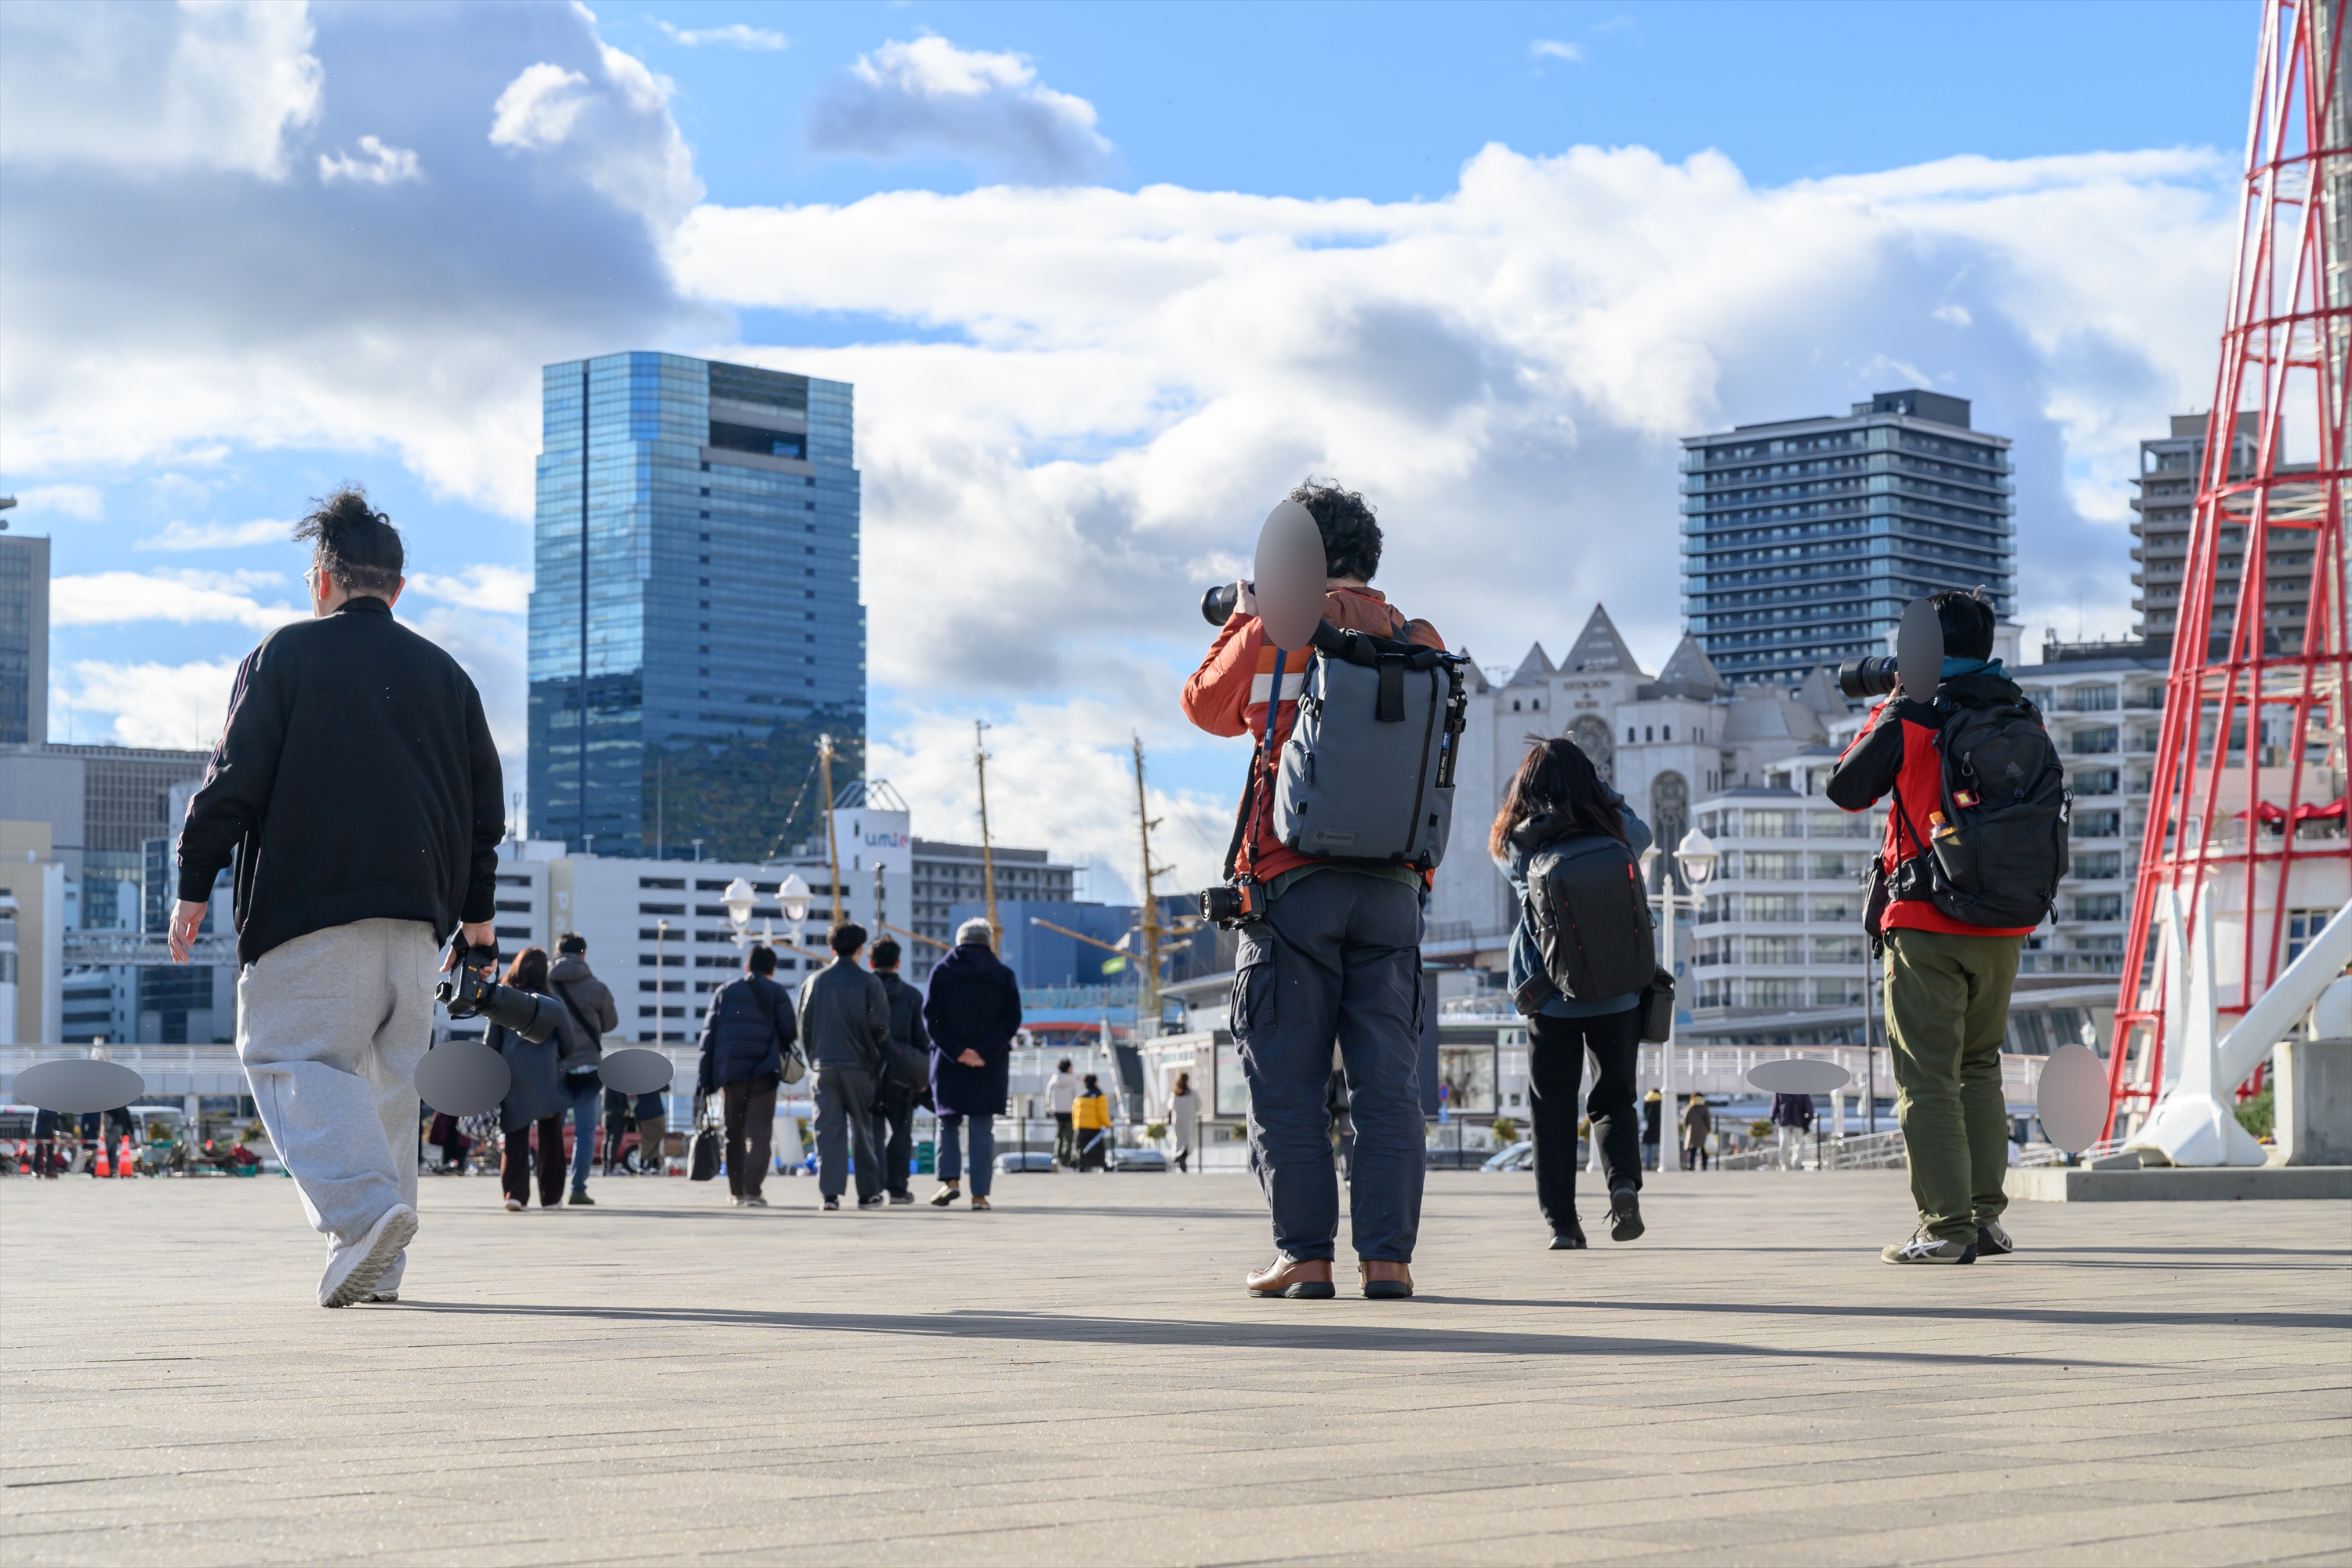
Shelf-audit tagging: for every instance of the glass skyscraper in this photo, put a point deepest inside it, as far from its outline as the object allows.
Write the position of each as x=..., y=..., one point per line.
x=1803, y=539
x=695, y=620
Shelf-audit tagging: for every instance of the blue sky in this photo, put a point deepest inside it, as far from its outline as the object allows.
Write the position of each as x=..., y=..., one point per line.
x=1108, y=279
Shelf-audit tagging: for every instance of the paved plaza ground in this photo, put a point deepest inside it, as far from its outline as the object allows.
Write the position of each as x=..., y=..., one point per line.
x=1077, y=1378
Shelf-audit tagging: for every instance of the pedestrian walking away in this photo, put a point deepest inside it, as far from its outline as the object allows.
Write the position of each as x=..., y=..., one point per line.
x=1697, y=1123
x=1792, y=1123
x=973, y=1010
x=1336, y=956
x=747, y=1033
x=1948, y=979
x=537, y=1096
x=906, y=1080
x=356, y=787
x=844, y=1017
x=589, y=1016
x=1090, y=1119
x=1652, y=1126
x=1556, y=799
x=1060, y=1096
x=1183, y=1118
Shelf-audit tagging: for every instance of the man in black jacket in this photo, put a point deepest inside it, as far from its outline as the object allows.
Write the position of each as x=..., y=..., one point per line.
x=744, y=1038
x=846, y=1019
x=356, y=789
x=906, y=1074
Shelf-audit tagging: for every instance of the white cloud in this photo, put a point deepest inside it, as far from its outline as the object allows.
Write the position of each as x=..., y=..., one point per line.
x=157, y=89
x=1953, y=315
x=1553, y=49
x=376, y=165
x=539, y=108
x=1505, y=371
x=504, y=589
x=187, y=598
x=83, y=501
x=218, y=535
x=409, y=329
x=735, y=35
x=613, y=129
x=926, y=97
x=172, y=705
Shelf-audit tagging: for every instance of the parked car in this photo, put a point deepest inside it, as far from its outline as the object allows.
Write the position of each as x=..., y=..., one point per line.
x=1035, y=1160
x=1451, y=1159
x=1137, y=1160
x=1520, y=1156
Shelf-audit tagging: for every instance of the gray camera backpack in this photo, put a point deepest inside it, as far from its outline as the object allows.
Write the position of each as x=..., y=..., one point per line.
x=1368, y=772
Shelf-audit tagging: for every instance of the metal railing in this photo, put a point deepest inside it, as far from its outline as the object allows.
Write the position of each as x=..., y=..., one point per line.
x=1858, y=1151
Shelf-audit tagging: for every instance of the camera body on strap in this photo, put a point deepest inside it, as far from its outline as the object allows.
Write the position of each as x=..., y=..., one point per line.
x=1368, y=771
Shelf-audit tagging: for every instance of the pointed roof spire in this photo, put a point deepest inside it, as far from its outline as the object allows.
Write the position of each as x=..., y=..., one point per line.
x=1532, y=669
x=1600, y=650
x=1689, y=673
x=1819, y=692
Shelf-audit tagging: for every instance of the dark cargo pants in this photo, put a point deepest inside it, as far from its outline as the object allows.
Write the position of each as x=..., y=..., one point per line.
x=1337, y=957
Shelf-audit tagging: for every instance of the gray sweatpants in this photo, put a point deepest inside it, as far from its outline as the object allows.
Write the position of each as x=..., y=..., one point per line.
x=330, y=1027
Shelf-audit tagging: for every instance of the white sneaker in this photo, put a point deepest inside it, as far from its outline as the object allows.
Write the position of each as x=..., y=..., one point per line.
x=1925, y=1249
x=352, y=1271
x=380, y=1298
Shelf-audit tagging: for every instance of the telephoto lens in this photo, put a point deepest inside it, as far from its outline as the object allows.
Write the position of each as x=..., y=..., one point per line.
x=467, y=994
x=1217, y=604
x=1865, y=677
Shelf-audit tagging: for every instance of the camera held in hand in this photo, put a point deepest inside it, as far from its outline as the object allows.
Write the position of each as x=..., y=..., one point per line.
x=468, y=992
x=1217, y=604
x=1865, y=677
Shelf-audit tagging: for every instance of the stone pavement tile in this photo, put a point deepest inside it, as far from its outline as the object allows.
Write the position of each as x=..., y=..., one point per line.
x=2288, y=1540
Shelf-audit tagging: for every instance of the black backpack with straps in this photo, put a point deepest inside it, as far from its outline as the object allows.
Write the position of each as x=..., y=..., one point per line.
x=1996, y=857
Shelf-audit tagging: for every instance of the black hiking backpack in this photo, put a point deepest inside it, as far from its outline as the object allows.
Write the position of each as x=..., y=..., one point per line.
x=1998, y=856
x=1590, y=915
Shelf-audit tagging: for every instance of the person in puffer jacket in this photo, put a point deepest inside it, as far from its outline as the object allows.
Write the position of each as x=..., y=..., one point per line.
x=745, y=1035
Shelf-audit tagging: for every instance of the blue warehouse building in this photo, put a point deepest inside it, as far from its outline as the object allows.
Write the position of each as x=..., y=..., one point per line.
x=1802, y=540
x=695, y=617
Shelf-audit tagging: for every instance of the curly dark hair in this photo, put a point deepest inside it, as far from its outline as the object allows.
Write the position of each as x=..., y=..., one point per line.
x=1351, y=534
x=353, y=544
x=1968, y=621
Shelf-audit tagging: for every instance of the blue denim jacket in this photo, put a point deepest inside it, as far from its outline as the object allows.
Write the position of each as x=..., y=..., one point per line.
x=1527, y=958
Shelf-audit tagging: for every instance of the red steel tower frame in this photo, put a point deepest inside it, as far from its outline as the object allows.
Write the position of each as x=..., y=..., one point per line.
x=2247, y=793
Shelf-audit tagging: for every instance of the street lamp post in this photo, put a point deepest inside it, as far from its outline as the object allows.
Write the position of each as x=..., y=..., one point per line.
x=661, y=1028
x=1695, y=854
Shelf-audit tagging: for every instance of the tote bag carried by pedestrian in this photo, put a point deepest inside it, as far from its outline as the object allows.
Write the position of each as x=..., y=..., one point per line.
x=708, y=1153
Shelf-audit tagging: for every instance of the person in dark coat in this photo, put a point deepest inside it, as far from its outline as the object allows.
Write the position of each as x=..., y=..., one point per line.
x=536, y=1099
x=1792, y=1114
x=745, y=1035
x=973, y=1011
x=906, y=1077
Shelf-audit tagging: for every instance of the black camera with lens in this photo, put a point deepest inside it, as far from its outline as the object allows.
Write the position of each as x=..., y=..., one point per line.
x=1865, y=677
x=1217, y=604
x=1238, y=903
x=468, y=993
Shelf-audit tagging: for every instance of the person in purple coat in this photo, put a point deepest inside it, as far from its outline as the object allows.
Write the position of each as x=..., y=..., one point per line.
x=973, y=1010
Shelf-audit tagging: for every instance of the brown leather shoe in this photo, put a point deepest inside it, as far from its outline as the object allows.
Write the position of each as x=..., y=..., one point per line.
x=1383, y=1280
x=1299, y=1279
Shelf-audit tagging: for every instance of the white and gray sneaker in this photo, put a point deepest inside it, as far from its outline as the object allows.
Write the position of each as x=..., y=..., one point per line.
x=1925, y=1249
x=380, y=1298
x=352, y=1271
x=1992, y=1241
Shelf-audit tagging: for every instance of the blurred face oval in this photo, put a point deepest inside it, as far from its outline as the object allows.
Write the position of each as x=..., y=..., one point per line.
x=1290, y=575
x=464, y=1078
x=635, y=1071
x=2073, y=1096
x=1798, y=1075
x=78, y=1088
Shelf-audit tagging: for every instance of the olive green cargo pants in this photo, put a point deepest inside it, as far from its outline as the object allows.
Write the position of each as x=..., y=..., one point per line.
x=1946, y=1018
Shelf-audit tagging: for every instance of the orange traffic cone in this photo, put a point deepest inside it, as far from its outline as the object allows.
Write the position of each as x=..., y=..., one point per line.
x=126, y=1163
x=104, y=1167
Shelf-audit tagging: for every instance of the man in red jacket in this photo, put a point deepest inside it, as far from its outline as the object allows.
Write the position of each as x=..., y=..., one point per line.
x=1947, y=982
x=1337, y=956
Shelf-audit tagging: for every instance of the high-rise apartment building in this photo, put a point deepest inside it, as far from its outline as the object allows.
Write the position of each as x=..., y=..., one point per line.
x=1802, y=540
x=2169, y=469
x=695, y=620
x=24, y=641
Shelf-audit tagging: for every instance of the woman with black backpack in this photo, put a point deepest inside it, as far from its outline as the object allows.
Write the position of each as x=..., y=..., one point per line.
x=1554, y=800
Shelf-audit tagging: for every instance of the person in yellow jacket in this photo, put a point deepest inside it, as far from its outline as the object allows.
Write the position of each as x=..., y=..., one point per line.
x=1090, y=1115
